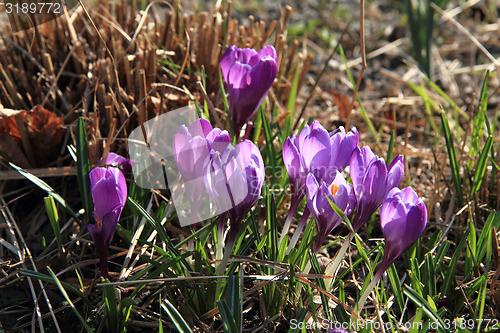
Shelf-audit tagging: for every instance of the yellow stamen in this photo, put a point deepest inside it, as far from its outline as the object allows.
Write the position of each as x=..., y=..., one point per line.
x=334, y=188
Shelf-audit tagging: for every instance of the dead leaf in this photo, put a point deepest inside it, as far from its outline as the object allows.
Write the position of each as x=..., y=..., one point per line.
x=342, y=102
x=44, y=130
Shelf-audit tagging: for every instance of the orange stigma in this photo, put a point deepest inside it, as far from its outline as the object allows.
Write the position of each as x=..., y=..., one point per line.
x=334, y=188
x=98, y=224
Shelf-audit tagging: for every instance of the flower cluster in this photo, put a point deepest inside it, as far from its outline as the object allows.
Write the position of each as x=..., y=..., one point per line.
x=232, y=176
x=314, y=159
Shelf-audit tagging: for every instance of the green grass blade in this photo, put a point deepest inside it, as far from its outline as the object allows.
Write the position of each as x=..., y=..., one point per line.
x=175, y=316
x=481, y=166
x=449, y=279
x=83, y=168
x=45, y=278
x=316, y=268
x=390, y=150
x=299, y=319
x=479, y=121
x=44, y=186
x=233, y=297
x=396, y=287
x=272, y=229
x=50, y=206
x=228, y=322
x=111, y=306
x=291, y=106
x=225, y=102
x=269, y=147
x=420, y=302
x=340, y=213
x=230, y=308
x=159, y=229
x=65, y=295
x=453, y=159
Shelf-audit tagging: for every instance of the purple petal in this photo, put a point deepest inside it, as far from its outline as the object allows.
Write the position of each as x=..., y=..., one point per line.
x=410, y=196
x=181, y=138
x=227, y=61
x=357, y=168
x=316, y=152
x=396, y=171
x=314, y=125
x=200, y=127
x=312, y=187
x=268, y=52
x=218, y=139
x=347, y=146
x=247, y=56
x=108, y=192
x=96, y=175
x=239, y=77
x=375, y=182
x=393, y=220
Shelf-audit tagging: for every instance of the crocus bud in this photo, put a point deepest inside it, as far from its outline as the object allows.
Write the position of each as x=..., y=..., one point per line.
x=403, y=218
x=339, y=192
x=109, y=193
x=372, y=180
x=249, y=75
x=118, y=161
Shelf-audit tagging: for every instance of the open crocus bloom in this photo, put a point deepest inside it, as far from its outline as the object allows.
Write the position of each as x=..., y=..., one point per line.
x=234, y=179
x=249, y=75
x=339, y=192
x=116, y=160
x=372, y=180
x=109, y=193
x=403, y=218
x=318, y=152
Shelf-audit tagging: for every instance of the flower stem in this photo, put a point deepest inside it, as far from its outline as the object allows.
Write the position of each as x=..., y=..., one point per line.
x=368, y=290
x=291, y=212
x=332, y=269
x=103, y=257
x=298, y=231
x=221, y=268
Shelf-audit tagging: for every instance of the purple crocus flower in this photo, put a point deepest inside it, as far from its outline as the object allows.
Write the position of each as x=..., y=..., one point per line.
x=339, y=192
x=372, y=180
x=109, y=193
x=403, y=218
x=118, y=161
x=249, y=75
x=234, y=180
x=191, y=147
x=318, y=152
